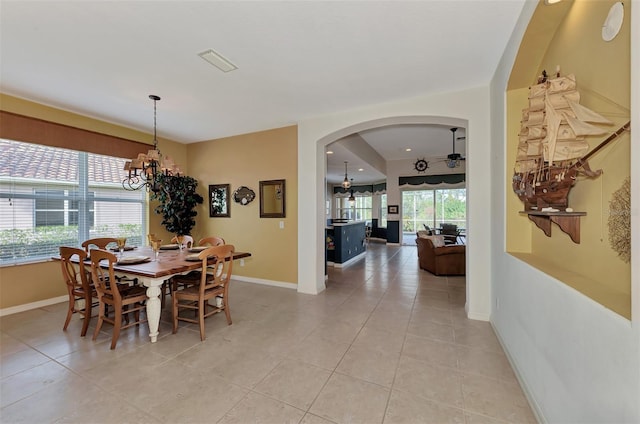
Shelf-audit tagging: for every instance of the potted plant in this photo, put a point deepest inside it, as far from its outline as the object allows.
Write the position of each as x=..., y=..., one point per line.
x=178, y=199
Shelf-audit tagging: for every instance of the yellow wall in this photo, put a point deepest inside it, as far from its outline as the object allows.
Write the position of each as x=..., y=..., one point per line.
x=244, y=161
x=40, y=281
x=602, y=70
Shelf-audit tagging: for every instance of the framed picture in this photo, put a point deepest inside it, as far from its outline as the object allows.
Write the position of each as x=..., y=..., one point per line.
x=219, y=201
x=392, y=209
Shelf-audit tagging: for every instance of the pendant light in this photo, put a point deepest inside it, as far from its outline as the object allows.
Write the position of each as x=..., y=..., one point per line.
x=352, y=198
x=346, y=183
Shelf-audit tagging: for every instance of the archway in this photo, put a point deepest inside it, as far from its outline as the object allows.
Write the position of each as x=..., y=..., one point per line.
x=467, y=108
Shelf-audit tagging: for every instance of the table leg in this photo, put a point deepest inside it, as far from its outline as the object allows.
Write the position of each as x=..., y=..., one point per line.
x=153, y=306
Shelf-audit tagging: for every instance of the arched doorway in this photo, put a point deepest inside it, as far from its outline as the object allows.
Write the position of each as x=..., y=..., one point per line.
x=466, y=109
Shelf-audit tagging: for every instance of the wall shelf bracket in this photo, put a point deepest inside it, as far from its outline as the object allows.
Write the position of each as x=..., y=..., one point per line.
x=569, y=222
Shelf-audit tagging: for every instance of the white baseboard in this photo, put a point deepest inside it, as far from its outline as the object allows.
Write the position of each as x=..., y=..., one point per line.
x=33, y=305
x=523, y=383
x=264, y=282
x=394, y=244
x=350, y=261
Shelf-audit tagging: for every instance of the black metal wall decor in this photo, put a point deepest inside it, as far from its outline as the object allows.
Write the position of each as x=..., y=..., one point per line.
x=244, y=195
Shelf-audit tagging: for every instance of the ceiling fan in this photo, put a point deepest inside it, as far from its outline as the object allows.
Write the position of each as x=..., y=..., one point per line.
x=453, y=159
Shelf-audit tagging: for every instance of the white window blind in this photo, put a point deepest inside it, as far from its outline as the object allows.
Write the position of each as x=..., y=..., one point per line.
x=51, y=197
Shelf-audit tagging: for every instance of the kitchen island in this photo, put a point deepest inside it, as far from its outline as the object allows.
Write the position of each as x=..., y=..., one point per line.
x=345, y=242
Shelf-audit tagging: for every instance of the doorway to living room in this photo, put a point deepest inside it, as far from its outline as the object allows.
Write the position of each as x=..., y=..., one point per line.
x=439, y=210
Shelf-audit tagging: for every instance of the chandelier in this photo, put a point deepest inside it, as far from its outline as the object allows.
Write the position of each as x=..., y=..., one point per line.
x=346, y=183
x=145, y=169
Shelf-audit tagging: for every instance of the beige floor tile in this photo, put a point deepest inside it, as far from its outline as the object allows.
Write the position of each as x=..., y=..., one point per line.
x=320, y=352
x=472, y=418
x=371, y=365
x=484, y=362
x=110, y=409
x=246, y=369
x=410, y=408
x=193, y=398
x=10, y=345
x=346, y=399
x=20, y=361
x=440, y=384
x=54, y=402
x=30, y=381
x=437, y=316
x=431, y=330
x=314, y=419
x=430, y=350
x=257, y=408
x=337, y=331
x=477, y=336
x=380, y=340
x=295, y=383
x=496, y=399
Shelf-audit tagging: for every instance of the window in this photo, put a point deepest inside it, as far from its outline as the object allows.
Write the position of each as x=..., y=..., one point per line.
x=51, y=208
x=51, y=197
x=359, y=210
x=383, y=211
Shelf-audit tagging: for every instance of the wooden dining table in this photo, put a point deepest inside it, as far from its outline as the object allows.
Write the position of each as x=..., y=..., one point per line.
x=152, y=275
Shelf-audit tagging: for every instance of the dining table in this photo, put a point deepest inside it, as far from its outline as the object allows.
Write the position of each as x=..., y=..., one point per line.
x=140, y=263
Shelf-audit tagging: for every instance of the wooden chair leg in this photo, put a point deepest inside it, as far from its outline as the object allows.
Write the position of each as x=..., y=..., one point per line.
x=227, y=312
x=100, y=321
x=117, y=324
x=87, y=316
x=69, y=314
x=174, y=310
x=201, y=307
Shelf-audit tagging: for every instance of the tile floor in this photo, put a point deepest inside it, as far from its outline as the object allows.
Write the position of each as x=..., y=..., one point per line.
x=385, y=343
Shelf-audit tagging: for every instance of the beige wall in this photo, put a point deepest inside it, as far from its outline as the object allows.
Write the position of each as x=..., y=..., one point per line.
x=602, y=71
x=245, y=160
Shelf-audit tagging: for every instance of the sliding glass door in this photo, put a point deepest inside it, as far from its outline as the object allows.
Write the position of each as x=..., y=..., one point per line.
x=433, y=208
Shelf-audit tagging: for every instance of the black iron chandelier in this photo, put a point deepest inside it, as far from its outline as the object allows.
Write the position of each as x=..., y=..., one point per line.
x=146, y=168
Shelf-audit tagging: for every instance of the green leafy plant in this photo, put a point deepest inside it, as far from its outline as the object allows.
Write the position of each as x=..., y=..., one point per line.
x=178, y=199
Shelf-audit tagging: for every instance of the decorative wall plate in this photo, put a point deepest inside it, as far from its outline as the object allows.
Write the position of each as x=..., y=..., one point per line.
x=244, y=195
x=613, y=23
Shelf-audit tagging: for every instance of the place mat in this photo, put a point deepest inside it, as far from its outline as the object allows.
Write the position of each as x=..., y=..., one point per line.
x=198, y=249
x=126, y=248
x=169, y=247
x=192, y=258
x=130, y=260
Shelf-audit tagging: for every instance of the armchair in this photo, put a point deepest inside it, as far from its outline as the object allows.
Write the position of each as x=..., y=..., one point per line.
x=439, y=259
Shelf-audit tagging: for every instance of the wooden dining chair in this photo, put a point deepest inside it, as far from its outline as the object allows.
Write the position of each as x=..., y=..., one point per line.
x=100, y=243
x=193, y=278
x=214, y=283
x=122, y=298
x=81, y=291
x=211, y=241
x=187, y=241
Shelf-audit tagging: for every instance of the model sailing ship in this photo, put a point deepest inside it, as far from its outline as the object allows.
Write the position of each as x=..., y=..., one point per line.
x=552, y=148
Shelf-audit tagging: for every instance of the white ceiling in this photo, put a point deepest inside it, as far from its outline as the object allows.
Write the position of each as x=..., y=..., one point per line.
x=296, y=59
